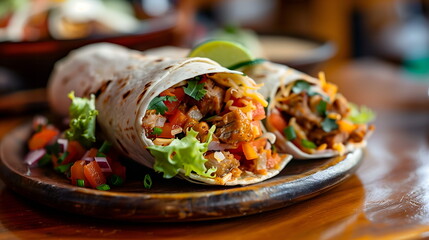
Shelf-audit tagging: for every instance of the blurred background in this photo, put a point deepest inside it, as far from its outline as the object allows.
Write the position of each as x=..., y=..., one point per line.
x=373, y=45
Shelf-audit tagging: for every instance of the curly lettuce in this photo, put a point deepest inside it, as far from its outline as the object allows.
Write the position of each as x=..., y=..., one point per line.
x=360, y=114
x=186, y=153
x=82, y=120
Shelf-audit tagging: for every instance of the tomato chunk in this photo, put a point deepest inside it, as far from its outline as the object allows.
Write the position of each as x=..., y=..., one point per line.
x=166, y=131
x=259, y=112
x=77, y=172
x=75, y=150
x=277, y=121
x=178, y=118
x=94, y=174
x=42, y=138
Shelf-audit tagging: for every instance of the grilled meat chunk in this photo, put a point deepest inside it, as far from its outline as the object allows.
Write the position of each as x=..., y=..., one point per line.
x=211, y=103
x=234, y=127
x=223, y=166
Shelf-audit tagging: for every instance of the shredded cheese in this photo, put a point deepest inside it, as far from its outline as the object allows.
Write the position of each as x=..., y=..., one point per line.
x=322, y=79
x=339, y=147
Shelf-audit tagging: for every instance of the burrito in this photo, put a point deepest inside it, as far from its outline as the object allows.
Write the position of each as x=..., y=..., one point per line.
x=309, y=117
x=186, y=117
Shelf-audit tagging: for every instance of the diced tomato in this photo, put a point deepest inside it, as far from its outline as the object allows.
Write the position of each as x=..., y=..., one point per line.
x=238, y=102
x=91, y=153
x=42, y=138
x=77, y=172
x=166, y=131
x=259, y=112
x=179, y=93
x=237, y=156
x=277, y=121
x=272, y=160
x=259, y=143
x=94, y=174
x=249, y=151
x=75, y=150
x=178, y=118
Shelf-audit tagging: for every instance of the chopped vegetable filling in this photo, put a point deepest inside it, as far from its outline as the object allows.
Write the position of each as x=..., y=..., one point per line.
x=218, y=110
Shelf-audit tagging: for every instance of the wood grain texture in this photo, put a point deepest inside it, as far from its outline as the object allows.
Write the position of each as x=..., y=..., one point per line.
x=387, y=198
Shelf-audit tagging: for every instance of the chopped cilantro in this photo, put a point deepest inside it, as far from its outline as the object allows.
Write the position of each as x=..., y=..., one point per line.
x=195, y=90
x=80, y=183
x=105, y=147
x=103, y=187
x=45, y=160
x=289, y=133
x=53, y=149
x=308, y=144
x=321, y=108
x=158, y=104
x=147, y=181
x=62, y=157
x=329, y=124
x=156, y=131
x=301, y=86
x=63, y=168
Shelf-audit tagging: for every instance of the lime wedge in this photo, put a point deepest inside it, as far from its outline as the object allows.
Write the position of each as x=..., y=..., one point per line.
x=226, y=53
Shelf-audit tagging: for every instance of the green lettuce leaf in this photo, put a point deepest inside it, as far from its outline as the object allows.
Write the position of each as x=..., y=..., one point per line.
x=360, y=114
x=82, y=120
x=186, y=153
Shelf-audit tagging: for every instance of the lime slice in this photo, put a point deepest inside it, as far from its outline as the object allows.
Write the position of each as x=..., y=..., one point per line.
x=226, y=53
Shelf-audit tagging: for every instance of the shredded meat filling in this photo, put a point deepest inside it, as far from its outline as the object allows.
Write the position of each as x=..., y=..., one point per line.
x=299, y=108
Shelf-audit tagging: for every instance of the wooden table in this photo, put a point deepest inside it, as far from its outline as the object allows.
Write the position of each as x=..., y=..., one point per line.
x=388, y=197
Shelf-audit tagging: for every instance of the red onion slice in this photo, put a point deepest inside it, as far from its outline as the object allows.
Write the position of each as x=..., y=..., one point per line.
x=103, y=163
x=34, y=156
x=217, y=146
x=64, y=143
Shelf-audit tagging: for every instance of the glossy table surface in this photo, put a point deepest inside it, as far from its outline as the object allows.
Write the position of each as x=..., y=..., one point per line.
x=387, y=198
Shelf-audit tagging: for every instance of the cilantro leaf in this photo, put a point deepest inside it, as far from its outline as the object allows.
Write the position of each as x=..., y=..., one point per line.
x=156, y=131
x=82, y=120
x=195, y=90
x=321, y=108
x=329, y=124
x=300, y=86
x=158, y=104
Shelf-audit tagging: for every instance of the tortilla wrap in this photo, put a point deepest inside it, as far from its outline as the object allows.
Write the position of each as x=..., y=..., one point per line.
x=274, y=76
x=124, y=83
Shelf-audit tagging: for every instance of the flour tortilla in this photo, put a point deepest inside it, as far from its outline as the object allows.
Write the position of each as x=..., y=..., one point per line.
x=124, y=82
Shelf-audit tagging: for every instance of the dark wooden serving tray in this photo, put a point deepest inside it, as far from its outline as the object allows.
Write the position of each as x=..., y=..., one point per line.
x=173, y=199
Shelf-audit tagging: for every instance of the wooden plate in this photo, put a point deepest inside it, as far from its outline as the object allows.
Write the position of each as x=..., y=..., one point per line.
x=168, y=200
